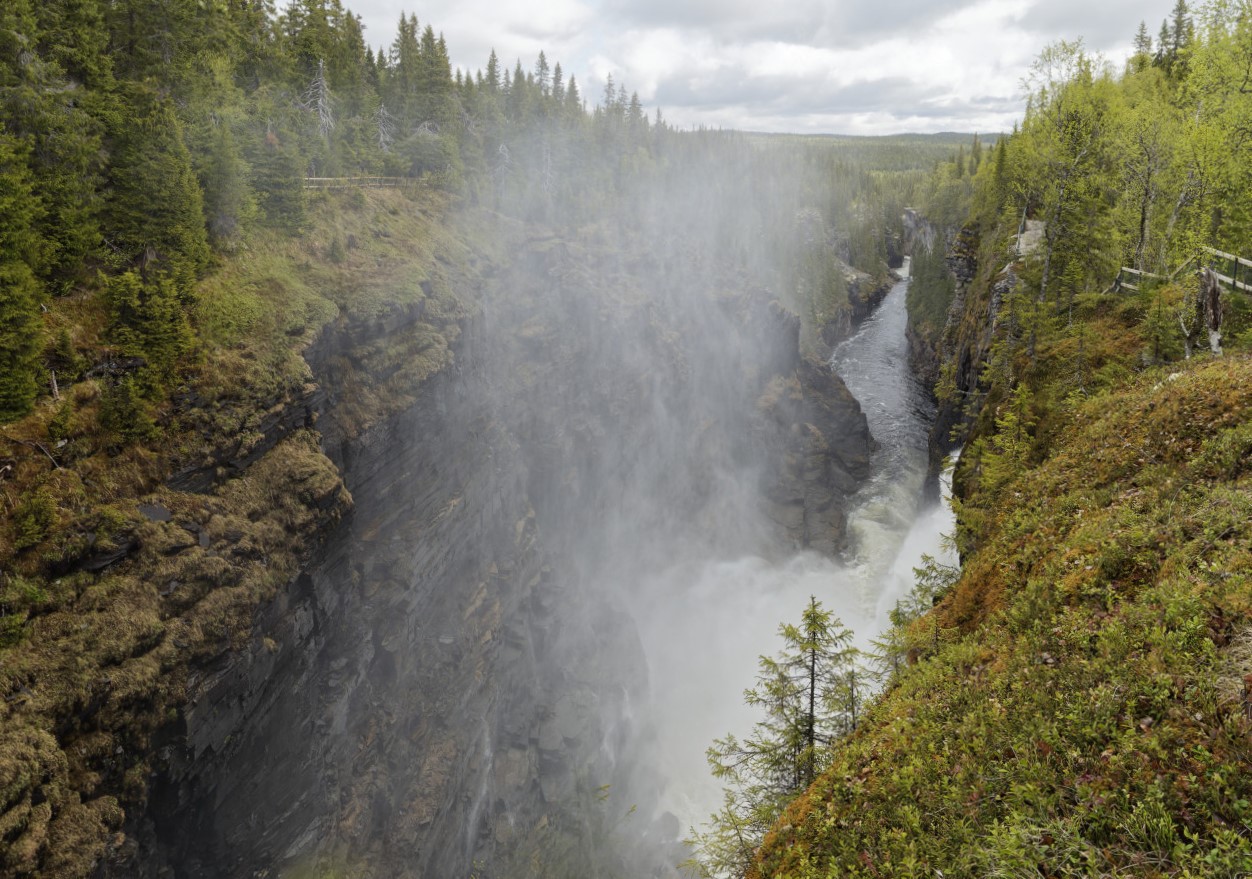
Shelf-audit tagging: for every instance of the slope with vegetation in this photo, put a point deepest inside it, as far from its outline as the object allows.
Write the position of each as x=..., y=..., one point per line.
x=1076, y=703
x=170, y=291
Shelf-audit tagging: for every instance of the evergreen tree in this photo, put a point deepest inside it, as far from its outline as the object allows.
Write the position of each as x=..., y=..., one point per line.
x=804, y=693
x=543, y=75
x=73, y=36
x=1163, y=41
x=20, y=326
x=156, y=208
x=228, y=202
x=1142, y=57
x=1180, y=28
x=148, y=318
x=57, y=121
x=278, y=180
x=492, y=80
x=403, y=72
x=558, y=86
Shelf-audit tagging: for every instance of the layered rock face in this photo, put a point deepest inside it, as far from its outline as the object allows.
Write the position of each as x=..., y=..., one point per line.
x=451, y=684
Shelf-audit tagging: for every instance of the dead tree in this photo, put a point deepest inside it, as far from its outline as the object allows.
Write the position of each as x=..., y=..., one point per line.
x=1211, y=294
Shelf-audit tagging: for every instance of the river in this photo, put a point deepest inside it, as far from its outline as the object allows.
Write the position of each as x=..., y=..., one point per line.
x=719, y=615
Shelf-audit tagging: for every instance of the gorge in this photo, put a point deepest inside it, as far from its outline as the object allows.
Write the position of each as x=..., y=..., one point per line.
x=403, y=466
x=560, y=565
x=606, y=487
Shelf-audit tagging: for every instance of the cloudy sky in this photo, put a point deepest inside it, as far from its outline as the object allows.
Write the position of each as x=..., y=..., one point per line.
x=833, y=66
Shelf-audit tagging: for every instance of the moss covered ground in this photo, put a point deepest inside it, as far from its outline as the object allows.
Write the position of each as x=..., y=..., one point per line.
x=1076, y=703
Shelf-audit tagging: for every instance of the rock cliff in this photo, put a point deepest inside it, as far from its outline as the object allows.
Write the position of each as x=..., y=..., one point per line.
x=447, y=684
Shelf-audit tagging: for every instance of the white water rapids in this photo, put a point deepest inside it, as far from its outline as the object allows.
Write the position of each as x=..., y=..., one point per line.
x=716, y=617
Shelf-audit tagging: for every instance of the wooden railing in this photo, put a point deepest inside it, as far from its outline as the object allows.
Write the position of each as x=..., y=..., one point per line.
x=360, y=182
x=1133, y=279
x=1237, y=262
x=1123, y=282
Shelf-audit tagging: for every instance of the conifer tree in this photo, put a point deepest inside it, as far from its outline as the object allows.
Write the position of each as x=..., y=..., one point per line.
x=804, y=693
x=156, y=209
x=1142, y=56
x=278, y=181
x=492, y=80
x=228, y=202
x=543, y=75
x=147, y=318
x=558, y=86
x=51, y=116
x=573, y=100
x=20, y=326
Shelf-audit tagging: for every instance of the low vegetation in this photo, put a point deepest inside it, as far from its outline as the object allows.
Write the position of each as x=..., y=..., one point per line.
x=1077, y=702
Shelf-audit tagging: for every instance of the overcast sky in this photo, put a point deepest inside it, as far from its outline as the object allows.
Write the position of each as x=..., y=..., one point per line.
x=831, y=66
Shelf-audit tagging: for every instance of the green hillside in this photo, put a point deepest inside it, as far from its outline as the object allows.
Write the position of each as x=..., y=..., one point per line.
x=1075, y=704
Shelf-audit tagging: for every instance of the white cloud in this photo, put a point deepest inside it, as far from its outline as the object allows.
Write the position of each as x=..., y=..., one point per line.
x=854, y=66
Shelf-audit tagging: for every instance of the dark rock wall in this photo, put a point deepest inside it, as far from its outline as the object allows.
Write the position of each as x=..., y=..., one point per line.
x=449, y=684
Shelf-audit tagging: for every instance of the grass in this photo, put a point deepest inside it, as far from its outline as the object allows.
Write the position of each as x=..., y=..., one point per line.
x=1083, y=713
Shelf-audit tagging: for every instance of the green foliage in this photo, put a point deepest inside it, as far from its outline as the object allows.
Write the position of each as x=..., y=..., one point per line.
x=148, y=318
x=20, y=326
x=809, y=695
x=124, y=412
x=156, y=208
x=228, y=203
x=32, y=520
x=277, y=176
x=1006, y=452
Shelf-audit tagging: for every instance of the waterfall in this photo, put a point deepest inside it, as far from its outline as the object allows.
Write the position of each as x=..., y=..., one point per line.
x=705, y=623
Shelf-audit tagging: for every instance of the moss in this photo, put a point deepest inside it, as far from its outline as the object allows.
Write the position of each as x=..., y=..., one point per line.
x=1078, y=716
x=102, y=657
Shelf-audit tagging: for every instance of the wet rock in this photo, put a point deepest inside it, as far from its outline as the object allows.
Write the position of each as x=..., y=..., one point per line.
x=155, y=512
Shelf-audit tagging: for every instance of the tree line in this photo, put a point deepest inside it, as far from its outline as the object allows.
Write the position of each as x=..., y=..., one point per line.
x=143, y=140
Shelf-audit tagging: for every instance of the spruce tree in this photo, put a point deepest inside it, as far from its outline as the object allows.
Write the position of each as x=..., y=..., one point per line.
x=1142, y=57
x=21, y=330
x=58, y=121
x=804, y=693
x=147, y=319
x=228, y=202
x=156, y=210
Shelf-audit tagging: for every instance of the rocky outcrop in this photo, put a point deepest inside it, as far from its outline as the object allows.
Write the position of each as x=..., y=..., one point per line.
x=827, y=455
x=864, y=294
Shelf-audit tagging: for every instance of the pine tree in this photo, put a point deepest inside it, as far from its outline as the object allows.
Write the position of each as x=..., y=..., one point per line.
x=21, y=330
x=156, y=209
x=805, y=694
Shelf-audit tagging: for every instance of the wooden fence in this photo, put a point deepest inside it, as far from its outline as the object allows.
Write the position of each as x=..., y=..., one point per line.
x=1134, y=280
x=361, y=182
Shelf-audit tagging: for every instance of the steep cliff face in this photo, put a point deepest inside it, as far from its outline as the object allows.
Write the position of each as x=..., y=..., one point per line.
x=451, y=679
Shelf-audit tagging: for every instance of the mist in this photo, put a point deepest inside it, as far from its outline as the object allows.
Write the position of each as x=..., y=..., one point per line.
x=701, y=467
x=569, y=550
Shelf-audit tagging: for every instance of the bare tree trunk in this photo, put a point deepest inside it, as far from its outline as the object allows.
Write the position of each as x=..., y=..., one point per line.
x=1211, y=293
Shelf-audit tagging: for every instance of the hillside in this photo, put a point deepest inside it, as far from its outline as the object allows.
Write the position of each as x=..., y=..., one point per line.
x=1076, y=702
